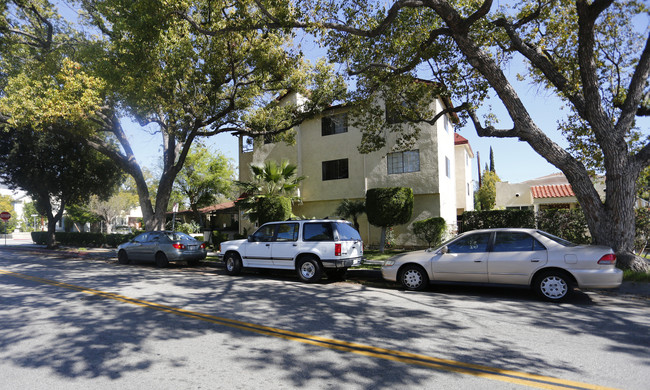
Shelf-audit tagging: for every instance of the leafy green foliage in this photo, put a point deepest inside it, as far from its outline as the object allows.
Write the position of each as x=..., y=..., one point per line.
x=7, y=205
x=389, y=206
x=271, y=180
x=487, y=194
x=188, y=69
x=431, y=230
x=51, y=167
x=273, y=208
x=473, y=220
x=351, y=209
x=642, y=232
x=568, y=224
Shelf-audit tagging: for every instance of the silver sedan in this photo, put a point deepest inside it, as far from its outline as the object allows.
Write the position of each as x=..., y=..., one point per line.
x=527, y=257
x=162, y=247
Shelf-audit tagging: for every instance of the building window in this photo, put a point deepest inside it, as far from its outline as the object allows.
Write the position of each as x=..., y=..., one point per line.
x=448, y=167
x=467, y=159
x=334, y=124
x=395, y=113
x=402, y=162
x=335, y=169
x=247, y=145
x=468, y=189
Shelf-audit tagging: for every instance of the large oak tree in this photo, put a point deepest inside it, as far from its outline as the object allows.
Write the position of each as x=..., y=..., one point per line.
x=589, y=53
x=149, y=61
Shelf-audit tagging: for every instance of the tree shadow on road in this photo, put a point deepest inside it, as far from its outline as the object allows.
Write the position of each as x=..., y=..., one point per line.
x=79, y=335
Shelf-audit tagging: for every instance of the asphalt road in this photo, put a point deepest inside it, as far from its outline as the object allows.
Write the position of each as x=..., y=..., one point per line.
x=74, y=323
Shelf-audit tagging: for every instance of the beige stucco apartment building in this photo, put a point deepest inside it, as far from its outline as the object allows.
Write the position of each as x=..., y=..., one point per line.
x=325, y=151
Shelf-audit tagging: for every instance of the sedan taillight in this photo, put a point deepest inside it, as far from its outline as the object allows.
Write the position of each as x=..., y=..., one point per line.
x=337, y=249
x=202, y=246
x=607, y=259
x=178, y=245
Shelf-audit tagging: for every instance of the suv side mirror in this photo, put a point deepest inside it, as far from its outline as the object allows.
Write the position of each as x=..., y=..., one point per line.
x=444, y=250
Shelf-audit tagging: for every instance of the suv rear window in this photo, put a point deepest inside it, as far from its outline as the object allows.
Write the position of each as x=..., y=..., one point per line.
x=320, y=231
x=347, y=232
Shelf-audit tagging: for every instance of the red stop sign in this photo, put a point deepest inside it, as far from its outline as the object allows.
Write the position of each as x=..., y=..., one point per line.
x=5, y=216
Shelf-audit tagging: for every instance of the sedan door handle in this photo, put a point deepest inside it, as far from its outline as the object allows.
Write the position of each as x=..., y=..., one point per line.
x=478, y=261
x=534, y=261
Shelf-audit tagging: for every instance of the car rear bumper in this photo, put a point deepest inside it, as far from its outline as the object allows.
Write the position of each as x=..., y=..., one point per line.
x=341, y=263
x=609, y=278
x=186, y=255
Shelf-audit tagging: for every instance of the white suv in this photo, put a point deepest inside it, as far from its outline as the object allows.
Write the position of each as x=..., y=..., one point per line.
x=310, y=247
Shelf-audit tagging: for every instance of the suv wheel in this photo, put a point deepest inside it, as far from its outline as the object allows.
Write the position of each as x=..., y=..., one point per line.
x=233, y=263
x=309, y=270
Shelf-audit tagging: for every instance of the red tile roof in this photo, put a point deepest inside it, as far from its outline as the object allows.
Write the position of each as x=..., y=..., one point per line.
x=217, y=207
x=552, y=191
x=459, y=139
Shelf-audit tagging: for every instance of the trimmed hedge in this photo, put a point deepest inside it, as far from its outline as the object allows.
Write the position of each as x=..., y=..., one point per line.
x=430, y=230
x=473, y=220
x=389, y=206
x=568, y=224
x=95, y=240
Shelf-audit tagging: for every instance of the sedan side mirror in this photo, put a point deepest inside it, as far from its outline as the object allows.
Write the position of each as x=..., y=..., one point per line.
x=444, y=250
x=251, y=239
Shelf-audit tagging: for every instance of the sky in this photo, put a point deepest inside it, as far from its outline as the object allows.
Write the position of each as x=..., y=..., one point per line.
x=515, y=161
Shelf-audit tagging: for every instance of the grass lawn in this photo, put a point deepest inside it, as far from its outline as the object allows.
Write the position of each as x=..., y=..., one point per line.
x=631, y=276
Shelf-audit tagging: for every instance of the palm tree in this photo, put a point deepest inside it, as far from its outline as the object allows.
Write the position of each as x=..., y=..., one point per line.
x=271, y=180
x=351, y=209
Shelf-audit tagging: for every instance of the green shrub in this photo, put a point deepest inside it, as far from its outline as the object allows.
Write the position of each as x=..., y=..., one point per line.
x=273, y=208
x=94, y=240
x=473, y=220
x=431, y=230
x=39, y=238
x=218, y=238
x=568, y=224
x=389, y=206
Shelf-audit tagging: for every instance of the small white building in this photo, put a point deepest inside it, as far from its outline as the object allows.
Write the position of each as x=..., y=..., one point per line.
x=546, y=192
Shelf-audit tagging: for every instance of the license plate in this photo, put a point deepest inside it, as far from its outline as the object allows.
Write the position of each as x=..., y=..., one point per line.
x=192, y=247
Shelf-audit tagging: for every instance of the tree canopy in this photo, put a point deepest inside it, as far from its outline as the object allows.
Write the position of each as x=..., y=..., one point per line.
x=179, y=66
x=591, y=54
x=55, y=170
x=204, y=178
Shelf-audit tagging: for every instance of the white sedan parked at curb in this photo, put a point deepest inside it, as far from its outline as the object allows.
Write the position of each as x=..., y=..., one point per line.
x=550, y=265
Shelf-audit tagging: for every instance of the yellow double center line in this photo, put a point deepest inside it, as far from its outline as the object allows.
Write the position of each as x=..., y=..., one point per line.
x=531, y=380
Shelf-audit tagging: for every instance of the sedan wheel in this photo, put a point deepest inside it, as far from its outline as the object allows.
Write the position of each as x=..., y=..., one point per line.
x=309, y=270
x=414, y=278
x=161, y=260
x=553, y=286
x=122, y=257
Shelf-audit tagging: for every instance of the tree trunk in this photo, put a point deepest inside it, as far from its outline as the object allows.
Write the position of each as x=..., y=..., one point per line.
x=382, y=239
